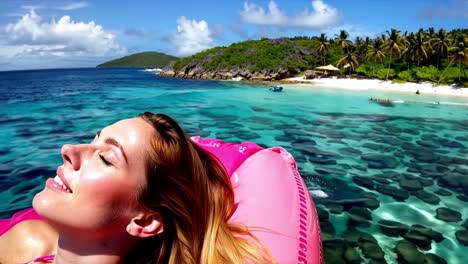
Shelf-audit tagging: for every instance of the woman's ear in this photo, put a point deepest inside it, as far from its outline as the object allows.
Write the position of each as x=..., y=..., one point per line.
x=145, y=225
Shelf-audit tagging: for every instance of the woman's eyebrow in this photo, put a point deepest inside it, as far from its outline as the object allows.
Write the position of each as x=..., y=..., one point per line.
x=114, y=142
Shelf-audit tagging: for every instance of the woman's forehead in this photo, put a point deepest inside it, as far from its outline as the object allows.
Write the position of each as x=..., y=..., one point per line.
x=130, y=133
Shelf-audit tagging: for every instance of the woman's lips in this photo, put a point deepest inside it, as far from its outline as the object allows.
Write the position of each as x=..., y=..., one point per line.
x=52, y=184
x=62, y=178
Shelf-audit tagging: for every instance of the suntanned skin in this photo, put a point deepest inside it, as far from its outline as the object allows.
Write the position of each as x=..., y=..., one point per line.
x=27, y=240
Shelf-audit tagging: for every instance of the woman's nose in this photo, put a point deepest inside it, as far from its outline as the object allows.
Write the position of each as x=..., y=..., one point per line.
x=72, y=155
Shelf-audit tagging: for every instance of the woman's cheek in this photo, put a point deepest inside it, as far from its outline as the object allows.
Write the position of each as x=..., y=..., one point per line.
x=108, y=189
x=98, y=183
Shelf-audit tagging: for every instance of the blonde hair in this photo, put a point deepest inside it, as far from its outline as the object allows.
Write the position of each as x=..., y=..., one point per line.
x=192, y=192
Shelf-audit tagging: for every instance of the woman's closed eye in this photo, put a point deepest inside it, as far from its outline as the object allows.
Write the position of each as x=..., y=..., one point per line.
x=104, y=160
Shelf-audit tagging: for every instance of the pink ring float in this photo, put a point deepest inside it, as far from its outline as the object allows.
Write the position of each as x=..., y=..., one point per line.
x=271, y=198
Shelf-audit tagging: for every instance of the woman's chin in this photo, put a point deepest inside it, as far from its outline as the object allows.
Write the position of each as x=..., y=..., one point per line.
x=42, y=204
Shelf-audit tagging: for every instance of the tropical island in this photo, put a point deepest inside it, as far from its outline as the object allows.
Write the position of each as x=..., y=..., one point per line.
x=142, y=59
x=438, y=57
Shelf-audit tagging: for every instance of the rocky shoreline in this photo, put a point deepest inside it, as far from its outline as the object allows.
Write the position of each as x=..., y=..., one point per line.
x=198, y=72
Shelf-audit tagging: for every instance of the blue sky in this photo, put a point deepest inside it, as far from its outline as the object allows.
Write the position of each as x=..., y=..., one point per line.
x=56, y=34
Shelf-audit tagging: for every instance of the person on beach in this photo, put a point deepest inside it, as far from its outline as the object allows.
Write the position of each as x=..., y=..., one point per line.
x=140, y=192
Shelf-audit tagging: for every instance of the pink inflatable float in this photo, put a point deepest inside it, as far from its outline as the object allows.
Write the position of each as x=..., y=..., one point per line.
x=270, y=197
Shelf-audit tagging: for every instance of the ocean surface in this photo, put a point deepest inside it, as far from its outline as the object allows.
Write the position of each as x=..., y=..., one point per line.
x=393, y=175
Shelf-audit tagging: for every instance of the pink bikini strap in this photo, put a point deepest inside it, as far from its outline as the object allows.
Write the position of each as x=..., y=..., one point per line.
x=44, y=259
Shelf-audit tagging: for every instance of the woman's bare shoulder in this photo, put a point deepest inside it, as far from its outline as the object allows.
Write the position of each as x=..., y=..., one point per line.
x=27, y=240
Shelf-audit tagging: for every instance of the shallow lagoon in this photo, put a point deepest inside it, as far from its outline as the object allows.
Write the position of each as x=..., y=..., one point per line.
x=375, y=163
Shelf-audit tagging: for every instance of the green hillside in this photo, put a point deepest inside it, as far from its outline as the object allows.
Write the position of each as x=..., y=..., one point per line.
x=257, y=55
x=143, y=59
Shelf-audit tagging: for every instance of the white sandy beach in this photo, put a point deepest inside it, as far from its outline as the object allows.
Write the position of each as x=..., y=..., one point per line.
x=374, y=84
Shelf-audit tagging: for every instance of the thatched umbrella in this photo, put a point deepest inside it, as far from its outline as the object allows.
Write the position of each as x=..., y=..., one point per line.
x=328, y=67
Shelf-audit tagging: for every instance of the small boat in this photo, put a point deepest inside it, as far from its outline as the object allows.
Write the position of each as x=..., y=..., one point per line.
x=277, y=88
x=236, y=79
x=382, y=102
x=155, y=70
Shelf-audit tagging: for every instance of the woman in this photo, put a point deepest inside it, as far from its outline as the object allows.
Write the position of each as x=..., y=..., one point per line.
x=140, y=192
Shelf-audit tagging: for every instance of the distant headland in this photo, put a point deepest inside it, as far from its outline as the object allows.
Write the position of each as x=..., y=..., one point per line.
x=142, y=59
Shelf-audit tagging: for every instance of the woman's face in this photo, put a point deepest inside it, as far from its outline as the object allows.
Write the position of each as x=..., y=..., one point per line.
x=95, y=188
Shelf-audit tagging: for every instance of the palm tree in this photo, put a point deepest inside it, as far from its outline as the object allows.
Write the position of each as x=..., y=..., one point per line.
x=409, y=51
x=361, y=46
x=368, y=41
x=394, y=45
x=358, y=41
x=441, y=44
x=459, y=53
x=431, y=32
x=375, y=52
x=342, y=40
x=349, y=60
x=418, y=47
x=383, y=37
x=323, y=46
x=422, y=46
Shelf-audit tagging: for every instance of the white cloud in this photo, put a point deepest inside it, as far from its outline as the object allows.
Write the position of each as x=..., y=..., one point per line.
x=192, y=36
x=72, y=6
x=31, y=36
x=321, y=16
x=256, y=14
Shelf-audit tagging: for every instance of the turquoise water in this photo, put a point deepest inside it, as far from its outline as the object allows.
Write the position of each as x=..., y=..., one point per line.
x=374, y=163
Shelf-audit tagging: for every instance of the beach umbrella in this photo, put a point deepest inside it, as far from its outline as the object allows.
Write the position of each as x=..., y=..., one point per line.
x=328, y=67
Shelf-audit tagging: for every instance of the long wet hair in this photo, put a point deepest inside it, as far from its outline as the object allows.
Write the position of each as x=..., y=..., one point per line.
x=192, y=192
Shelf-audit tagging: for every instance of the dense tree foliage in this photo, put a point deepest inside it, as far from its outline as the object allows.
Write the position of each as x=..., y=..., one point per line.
x=257, y=55
x=143, y=59
x=425, y=55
